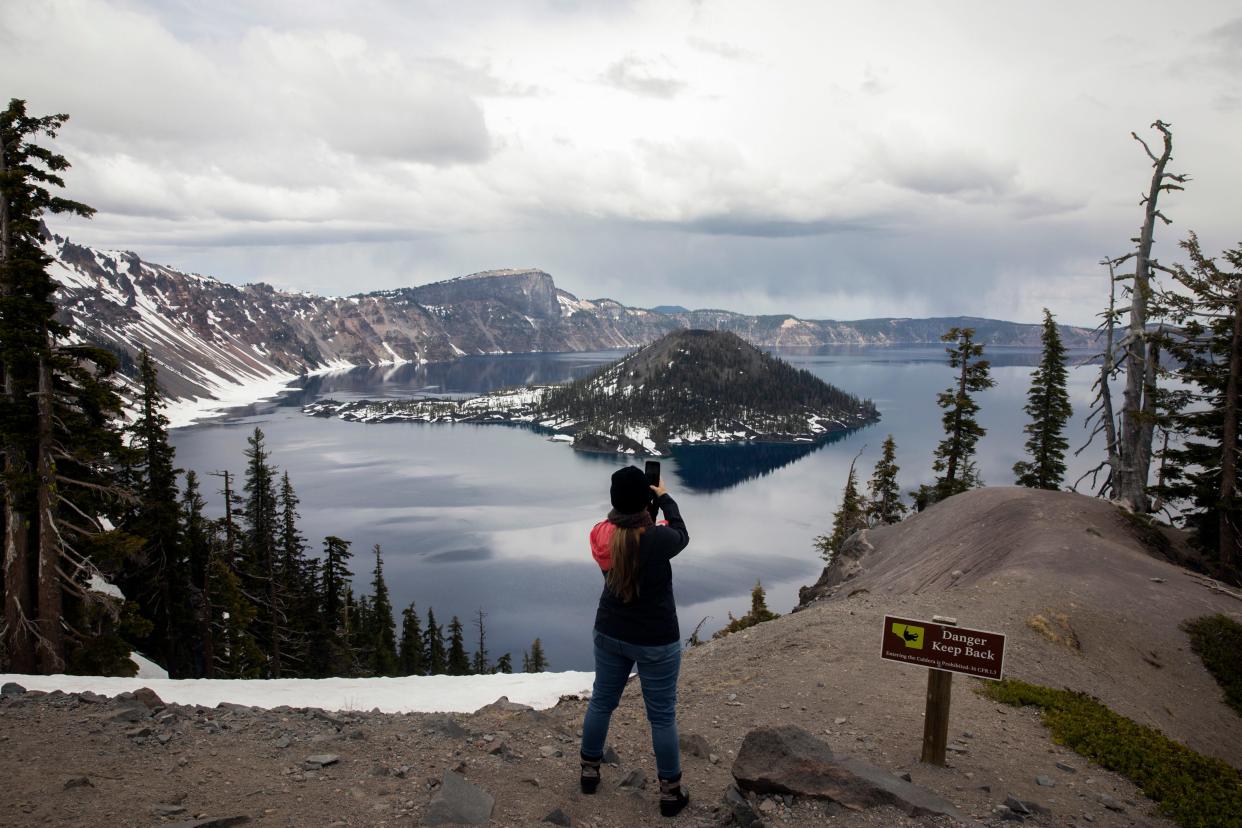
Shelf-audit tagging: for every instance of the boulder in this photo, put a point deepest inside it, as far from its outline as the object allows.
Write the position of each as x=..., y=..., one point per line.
x=445, y=725
x=558, y=817
x=11, y=688
x=844, y=566
x=458, y=801
x=789, y=760
x=503, y=705
x=148, y=697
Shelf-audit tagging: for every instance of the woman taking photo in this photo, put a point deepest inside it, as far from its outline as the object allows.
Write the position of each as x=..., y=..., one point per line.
x=636, y=624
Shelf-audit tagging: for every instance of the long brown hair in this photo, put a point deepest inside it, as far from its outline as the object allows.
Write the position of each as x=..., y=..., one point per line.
x=623, y=576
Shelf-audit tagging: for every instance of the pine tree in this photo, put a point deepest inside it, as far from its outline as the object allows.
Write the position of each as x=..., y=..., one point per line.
x=381, y=626
x=259, y=575
x=296, y=582
x=955, y=454
x=759, y=613
x=479, y=663
x=160, y=579
x=884, y=506
x=58, y=406
x=336, y=599
x=436, y=656
x=536, y=662
x=1048, y=406
x=504, y=664
x=458, y=661
x=410, y=656
x=1202, y=470
x=196, y=539
x=849, y=518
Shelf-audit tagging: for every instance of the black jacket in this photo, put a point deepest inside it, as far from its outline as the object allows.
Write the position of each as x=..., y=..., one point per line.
x=651, y=618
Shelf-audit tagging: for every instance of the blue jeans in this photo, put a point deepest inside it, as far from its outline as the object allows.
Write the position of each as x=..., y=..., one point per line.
x=658, y=668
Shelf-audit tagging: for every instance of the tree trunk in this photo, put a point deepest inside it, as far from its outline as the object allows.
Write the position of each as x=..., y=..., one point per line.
x=18, y=642
x=1136, y=425
x=274, y=613
x=1229, y=442
x=51, y=635
x=209, y=648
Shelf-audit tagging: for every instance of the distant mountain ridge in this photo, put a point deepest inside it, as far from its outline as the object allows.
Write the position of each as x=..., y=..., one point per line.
x=212, y=340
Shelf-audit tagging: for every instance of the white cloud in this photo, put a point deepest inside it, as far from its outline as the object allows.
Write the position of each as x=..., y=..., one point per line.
x=721, y=153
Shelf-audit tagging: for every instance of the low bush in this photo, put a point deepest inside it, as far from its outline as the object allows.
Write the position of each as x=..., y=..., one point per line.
x=1196, y=791
x=1218, y=641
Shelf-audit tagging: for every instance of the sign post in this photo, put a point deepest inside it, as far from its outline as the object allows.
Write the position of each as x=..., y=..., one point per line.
x=945, y=649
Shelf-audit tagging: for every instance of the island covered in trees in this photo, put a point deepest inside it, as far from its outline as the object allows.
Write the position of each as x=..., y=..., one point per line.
x=690, y=386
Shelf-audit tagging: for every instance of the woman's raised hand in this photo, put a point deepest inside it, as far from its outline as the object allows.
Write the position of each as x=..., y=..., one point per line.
x=659, y=489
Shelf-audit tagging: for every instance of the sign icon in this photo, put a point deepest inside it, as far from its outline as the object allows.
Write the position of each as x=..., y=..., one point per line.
x=910, y=635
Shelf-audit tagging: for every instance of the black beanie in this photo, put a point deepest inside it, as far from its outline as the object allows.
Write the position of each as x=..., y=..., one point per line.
x=630, y=492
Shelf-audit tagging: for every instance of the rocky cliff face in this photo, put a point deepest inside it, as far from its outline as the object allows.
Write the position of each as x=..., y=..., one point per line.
x=210, y=339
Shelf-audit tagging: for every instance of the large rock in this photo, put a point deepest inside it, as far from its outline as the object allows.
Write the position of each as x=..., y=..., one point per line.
x=148, y=697
x=459, y=802
x=789, y=760
x=844, y=566
x=12, y=688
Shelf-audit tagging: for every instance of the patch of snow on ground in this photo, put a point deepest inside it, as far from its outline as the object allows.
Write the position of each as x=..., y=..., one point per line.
x=147, y=669
x=408, y=694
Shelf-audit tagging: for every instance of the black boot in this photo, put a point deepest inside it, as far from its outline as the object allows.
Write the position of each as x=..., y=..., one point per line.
x=590, y=775
x=673, y=796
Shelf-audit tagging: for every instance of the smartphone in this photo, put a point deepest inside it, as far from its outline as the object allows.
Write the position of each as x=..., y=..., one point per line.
x=652, y=470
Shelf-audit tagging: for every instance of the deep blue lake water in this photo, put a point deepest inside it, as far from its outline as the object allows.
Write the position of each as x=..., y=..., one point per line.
x=497, y=516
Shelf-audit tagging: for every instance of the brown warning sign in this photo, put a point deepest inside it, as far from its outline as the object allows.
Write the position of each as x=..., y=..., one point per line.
x=944, y=647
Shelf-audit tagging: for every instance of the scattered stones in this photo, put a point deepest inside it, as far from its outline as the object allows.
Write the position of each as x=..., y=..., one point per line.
x=1025, y=807
x=742, y=811
x=164, y=738
x=610, y=756
x=557, y=817
x=1045, y=781
x=767, y=806
x=500, y=749
x=634, y=780
x=906, y=776
x=210, y=822
x=1110, y=803
x=445, y=725
x=138, y=733
x=458, y=801
x=322, y=760
x=840, y=720
x=130, y=713
x=11, y=688
x=695, y=745
x=166, y=810
x=283, y=742
x=1061, y=766
x=77, y=782
x=550, y=751
x=148, y=698
x=788, y=759
x=713, y=758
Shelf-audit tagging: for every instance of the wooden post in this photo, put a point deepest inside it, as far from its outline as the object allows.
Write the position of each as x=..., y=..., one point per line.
x=936, y=716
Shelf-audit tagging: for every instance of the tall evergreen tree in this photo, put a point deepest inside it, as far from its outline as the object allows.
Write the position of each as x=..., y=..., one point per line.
x=259, y=574
x=535, y=661
x=1202, y=469
x=849, y=518
x=301, y=603
x=436, y=654
x=336, y=599
x=380, y=625
x=955, y=454
x=504, y=664
x=410, y=655
x=884, y=504
x=480, y=663
x=196, y=539
x=458, y=661
x=58, y=406
x=1048, y=406
x=160, y=579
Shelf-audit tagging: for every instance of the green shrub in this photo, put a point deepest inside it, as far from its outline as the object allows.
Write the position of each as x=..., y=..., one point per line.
x=1196, y=791
x=1218, y=641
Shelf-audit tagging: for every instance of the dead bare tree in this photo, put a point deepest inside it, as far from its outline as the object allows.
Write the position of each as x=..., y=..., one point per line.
x=1129, y=450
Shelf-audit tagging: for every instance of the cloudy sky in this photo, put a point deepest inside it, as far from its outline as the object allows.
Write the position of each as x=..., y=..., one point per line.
x=827, y=159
